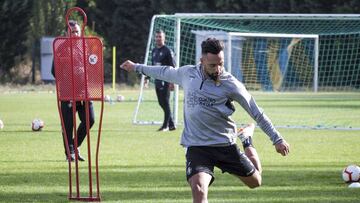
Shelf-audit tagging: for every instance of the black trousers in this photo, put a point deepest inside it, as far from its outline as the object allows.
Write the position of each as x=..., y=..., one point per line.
x=163, y=95
x=66, y=109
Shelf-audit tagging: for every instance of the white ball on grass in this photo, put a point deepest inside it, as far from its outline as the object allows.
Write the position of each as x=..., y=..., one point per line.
x=37, y=124
x=351, y=174
x=107, y=98
x=120, y=98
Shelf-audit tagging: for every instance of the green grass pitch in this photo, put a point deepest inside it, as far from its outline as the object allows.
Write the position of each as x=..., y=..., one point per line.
x=138, y=164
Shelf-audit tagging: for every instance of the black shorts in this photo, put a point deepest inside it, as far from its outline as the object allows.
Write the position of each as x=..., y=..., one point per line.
x=229, y=159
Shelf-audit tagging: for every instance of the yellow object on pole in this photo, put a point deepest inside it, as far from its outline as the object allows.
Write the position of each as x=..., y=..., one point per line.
x=114, y=68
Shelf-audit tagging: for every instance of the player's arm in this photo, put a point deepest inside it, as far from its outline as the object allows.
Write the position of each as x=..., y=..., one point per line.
x=173, y=75
x=243, y=97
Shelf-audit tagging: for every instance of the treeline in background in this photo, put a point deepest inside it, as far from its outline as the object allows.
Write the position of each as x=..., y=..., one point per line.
x=121, y=23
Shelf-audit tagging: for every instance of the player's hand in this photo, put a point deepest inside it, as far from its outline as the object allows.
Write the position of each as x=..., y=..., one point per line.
x=283, y=148
x=171, y=86
x=128, y=66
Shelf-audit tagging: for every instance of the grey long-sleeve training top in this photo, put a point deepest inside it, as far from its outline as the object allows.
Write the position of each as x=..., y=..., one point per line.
x=207, y=105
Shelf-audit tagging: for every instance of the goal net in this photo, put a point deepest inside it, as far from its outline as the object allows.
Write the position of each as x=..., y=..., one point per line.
x=276, y=56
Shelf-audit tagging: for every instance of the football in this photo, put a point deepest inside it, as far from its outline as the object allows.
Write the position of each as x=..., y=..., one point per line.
x=37, y=124
x=120, y=98
x=351, y=174
x=1, y=124
x=107, y=98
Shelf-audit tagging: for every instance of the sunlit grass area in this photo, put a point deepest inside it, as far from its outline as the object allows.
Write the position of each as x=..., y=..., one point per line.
x=138, y=164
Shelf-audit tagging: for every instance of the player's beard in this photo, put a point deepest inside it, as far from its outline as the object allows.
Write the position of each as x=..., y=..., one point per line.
x=214, y=76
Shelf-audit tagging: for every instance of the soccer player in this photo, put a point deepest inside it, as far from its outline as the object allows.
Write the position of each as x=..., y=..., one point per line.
x=66, y=109
x=163, y=56
x=209, y=134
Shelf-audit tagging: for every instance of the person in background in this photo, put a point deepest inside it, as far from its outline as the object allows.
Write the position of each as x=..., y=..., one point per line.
x=66, y=110
x=163, y=56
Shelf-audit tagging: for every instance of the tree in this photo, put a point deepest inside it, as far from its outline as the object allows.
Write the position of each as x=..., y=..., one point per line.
x=48, y=19
x=14, y=29
x=124, y=24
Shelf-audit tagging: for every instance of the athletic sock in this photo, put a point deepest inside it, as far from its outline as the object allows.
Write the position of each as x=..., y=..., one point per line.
x=247, y=142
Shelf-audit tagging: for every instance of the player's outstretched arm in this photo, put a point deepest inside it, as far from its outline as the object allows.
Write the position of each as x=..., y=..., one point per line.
x=128, y=66
x=283, y=148
x=171, y=75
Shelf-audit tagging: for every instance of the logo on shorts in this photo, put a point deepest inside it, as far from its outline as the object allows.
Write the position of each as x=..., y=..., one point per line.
x=188, y=171
x=188, y=168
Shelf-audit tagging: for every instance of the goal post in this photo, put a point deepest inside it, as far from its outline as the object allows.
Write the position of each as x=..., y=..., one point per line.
x=304, y=53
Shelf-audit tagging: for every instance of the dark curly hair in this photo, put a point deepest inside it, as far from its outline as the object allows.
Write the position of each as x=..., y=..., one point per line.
x=211, y=45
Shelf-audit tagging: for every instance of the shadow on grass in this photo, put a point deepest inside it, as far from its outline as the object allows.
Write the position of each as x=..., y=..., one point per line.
x=154, y=183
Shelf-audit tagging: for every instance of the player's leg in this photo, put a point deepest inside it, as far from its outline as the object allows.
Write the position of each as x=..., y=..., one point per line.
x=199, y=184
x=82, y=116
x=199, y=172
x=81, y=131
x=238, y=164
x=166, y=96
x=160, y=96
x=255, y=179
x=66, y=111
x=252, y=181
x=245, y=135
x=252, y=154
